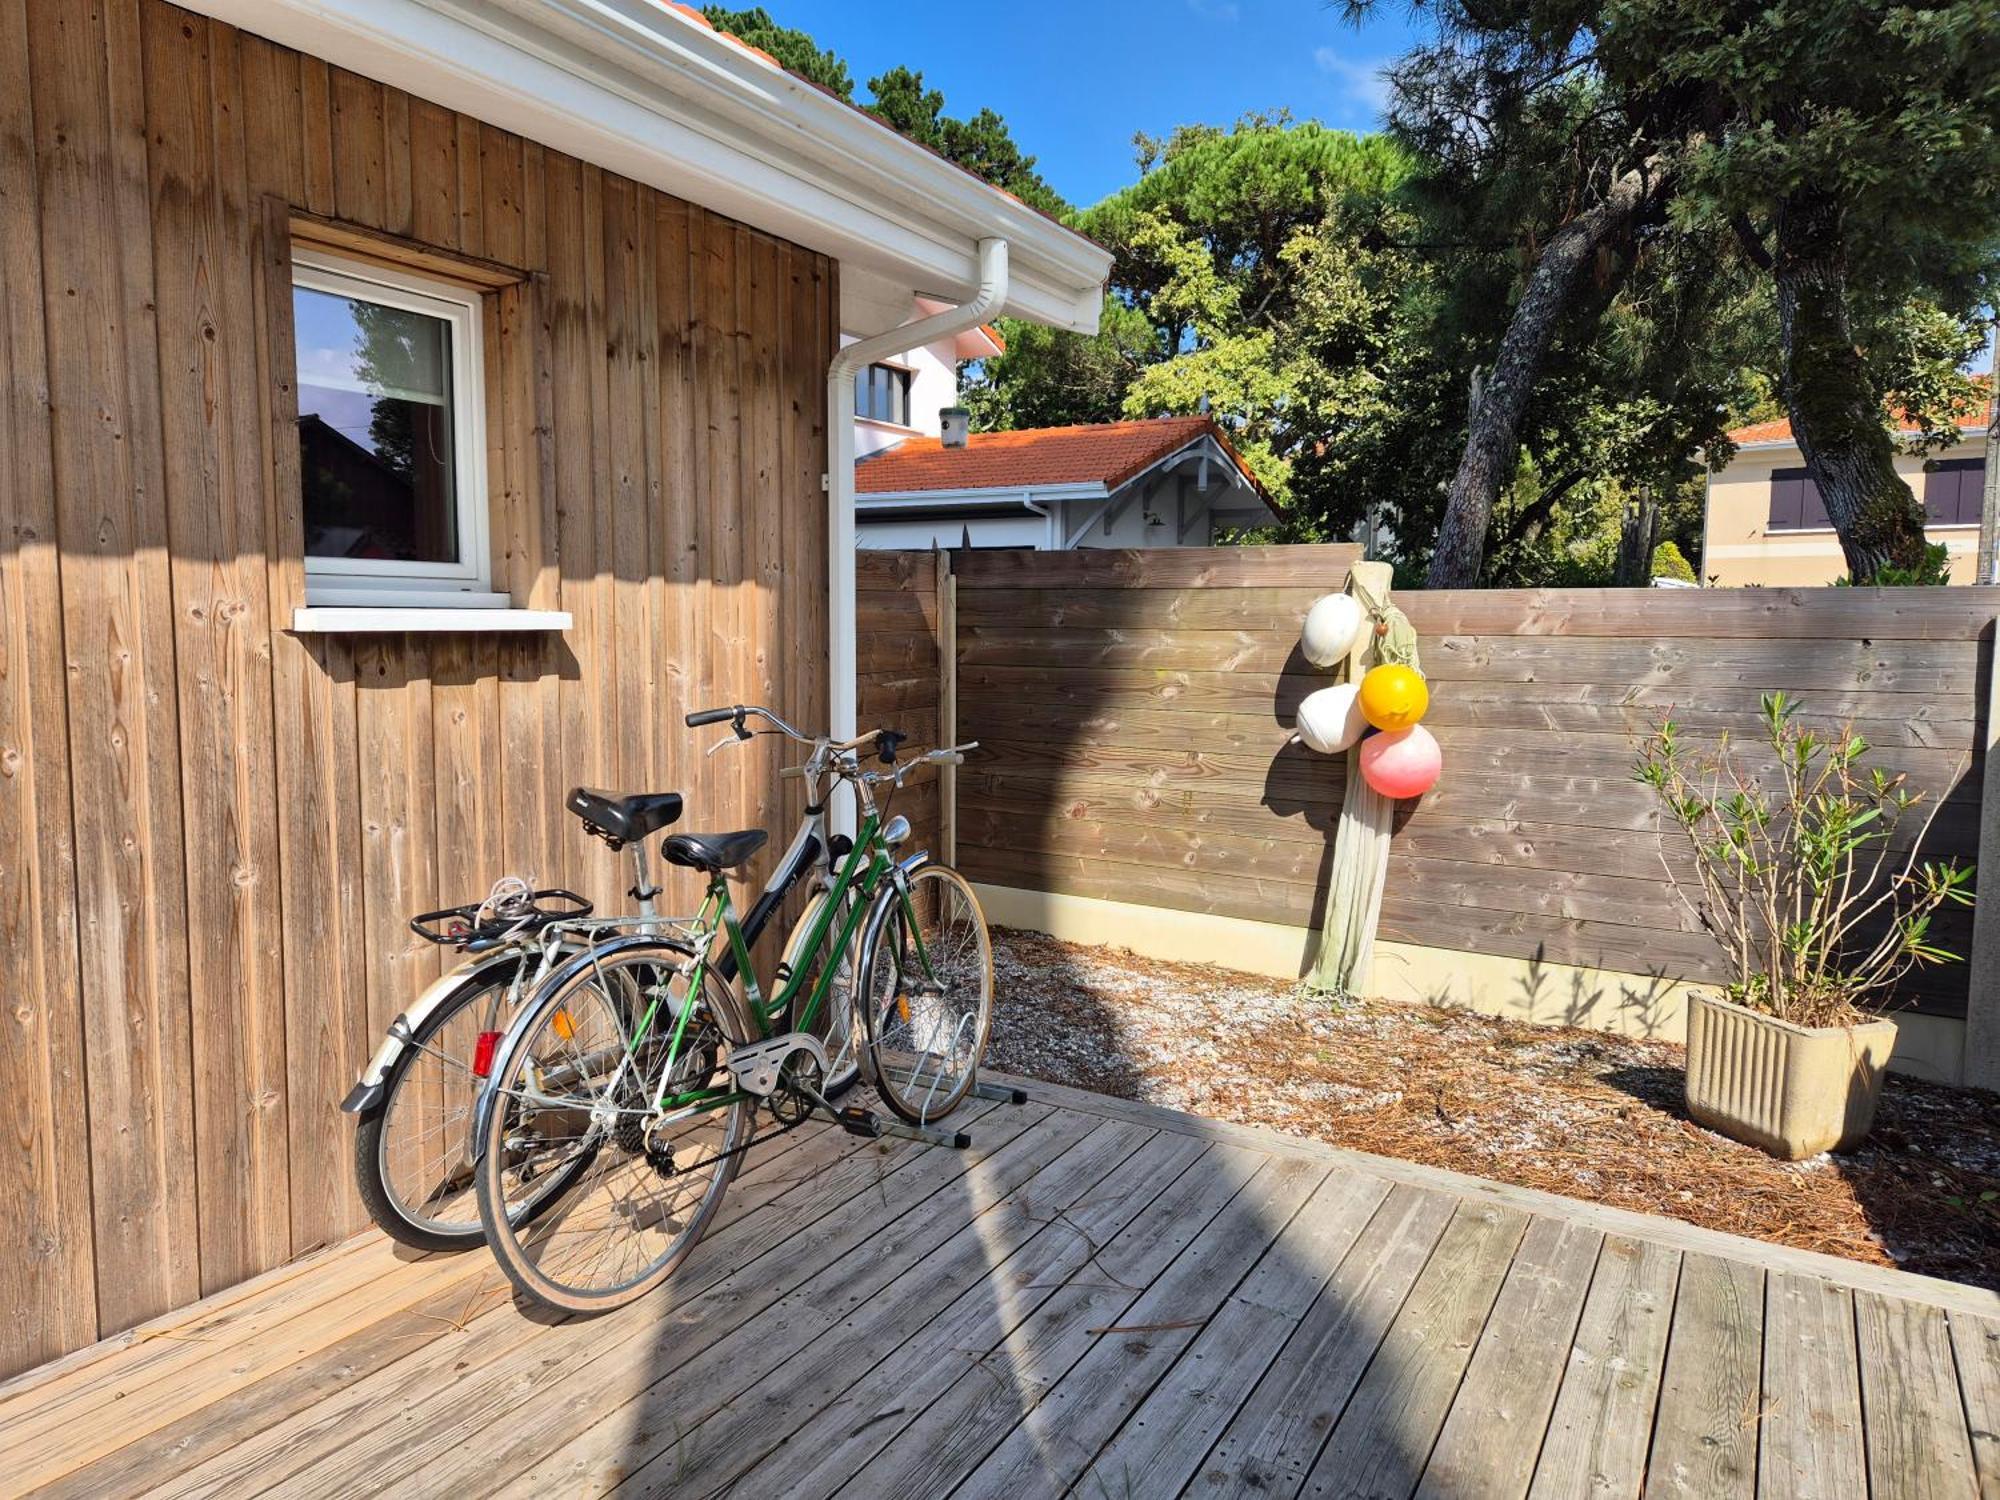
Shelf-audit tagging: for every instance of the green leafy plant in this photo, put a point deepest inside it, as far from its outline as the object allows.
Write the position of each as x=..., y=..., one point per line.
x=1796, y=868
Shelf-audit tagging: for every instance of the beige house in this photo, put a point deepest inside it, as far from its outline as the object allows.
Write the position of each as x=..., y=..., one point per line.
x=1765, y=523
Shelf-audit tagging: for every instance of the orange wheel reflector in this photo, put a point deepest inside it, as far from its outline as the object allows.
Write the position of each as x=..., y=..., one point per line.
x=564, y=1024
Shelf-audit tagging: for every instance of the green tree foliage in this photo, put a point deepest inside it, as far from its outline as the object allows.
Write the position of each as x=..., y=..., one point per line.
x=1844, y=154
x=981, y=144
x=1854, y=148
x=1670, y=562
x=1053, y=379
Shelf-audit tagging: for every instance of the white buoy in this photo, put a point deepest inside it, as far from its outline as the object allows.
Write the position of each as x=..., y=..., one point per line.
x=1330, y=720
x=1332, y=626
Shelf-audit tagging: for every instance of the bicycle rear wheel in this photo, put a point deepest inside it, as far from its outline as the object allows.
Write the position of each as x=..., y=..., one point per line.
x=413, y=1152
x=926, y=999
x=577, y=1095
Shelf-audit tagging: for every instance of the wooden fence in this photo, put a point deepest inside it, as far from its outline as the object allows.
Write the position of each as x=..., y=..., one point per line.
x=902, y=683
x=1134, y=710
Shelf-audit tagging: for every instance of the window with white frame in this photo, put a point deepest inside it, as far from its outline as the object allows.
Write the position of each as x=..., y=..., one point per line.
x=392, y=444
x=882, y=394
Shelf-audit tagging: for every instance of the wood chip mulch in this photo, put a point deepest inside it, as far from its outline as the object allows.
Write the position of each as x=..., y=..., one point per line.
x=1569, y=1111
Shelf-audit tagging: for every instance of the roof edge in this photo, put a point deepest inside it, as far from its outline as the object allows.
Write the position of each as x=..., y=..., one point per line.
x=656, y=95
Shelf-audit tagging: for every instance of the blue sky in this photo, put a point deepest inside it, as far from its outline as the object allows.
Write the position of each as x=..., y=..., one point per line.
x=1075, y=80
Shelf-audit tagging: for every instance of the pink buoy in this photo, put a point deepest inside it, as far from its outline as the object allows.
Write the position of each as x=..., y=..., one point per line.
x=1402, y=763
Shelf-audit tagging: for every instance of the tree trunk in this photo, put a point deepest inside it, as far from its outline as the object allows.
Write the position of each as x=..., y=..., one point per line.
x=1638, y=536
x=1492, y=426
x=1837, y=416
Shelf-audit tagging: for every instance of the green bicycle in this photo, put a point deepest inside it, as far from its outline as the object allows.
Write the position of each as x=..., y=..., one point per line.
x=634, y=1075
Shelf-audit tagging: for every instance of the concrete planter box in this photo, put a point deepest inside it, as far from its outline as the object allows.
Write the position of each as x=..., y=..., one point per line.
x=1793, y=1091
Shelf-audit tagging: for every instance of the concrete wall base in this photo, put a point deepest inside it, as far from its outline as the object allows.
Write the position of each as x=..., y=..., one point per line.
x=1523, y=989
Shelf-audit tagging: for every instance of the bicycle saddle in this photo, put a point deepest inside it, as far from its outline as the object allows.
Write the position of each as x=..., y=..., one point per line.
x=713, y=851
x=619, y=820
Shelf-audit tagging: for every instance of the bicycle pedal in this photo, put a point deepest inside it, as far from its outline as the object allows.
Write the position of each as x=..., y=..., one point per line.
x=858, y=1120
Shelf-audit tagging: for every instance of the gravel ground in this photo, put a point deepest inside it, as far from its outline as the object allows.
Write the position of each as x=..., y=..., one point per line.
x=1573, y=1112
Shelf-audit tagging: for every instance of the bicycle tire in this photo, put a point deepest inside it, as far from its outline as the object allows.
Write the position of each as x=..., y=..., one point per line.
x=609, y=1169
x=901, y=1030
x=429, y=1061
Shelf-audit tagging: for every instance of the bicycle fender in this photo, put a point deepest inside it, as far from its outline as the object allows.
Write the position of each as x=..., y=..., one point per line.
x=515, y=1038
x=366, y=1094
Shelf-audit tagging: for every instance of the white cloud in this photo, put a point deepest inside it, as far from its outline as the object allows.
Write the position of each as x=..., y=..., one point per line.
x=1215, y=10
x=1364, y=82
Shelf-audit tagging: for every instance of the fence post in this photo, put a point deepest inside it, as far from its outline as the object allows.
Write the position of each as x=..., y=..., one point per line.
x=1982, y=996
x=947, y=608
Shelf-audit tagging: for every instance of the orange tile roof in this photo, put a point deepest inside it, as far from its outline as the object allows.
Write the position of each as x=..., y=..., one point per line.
x=1107, y=453
x=1780, y=431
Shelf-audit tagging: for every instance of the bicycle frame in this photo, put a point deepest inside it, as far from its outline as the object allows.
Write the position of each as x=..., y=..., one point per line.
x=722, y=944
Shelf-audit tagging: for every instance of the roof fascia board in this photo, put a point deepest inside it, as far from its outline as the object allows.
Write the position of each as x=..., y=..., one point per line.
x=643, y=91
x=1013, y=494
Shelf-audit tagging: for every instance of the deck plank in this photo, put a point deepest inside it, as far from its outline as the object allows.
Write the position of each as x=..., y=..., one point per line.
x=1975, y=1343
x=1160, y=1447
x=1811, y=1445
x=1382, y=1441
x=1270, y=1444
x=313, y=1409
x=460, y=1438
x=827, y=1450
x=1918, y=1446
x=1059, y=1437
x=1603, y=1422
x=815, y=1353
x=1705, y=1435
x=976, y=1411
x=1494, y=1429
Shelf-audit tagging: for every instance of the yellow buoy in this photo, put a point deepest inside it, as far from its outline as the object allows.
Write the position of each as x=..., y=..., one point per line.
x=1393, y=696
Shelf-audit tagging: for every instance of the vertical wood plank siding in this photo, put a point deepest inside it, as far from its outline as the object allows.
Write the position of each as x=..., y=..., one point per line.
x=212, y=830
x=1134, y=711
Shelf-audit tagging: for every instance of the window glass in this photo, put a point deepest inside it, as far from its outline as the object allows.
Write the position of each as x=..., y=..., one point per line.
x=882, y=394
x=376, y=435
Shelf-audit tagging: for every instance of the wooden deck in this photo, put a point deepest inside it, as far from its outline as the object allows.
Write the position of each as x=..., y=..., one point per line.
x=1100, y=1297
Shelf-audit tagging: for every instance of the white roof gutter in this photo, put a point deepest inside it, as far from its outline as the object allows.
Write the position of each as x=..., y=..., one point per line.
x=645, y=91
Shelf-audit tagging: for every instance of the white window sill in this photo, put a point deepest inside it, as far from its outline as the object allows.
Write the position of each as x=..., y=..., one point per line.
x=330, y=619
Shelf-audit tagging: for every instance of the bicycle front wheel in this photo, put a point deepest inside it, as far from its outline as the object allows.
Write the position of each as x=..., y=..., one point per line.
x=617, y=1082
x=926, y=998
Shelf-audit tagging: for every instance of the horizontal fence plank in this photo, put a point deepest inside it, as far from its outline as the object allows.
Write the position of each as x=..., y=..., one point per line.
x=1323, y=567
x=1932, y=721
x=1241, y=736
x=1744, y=614
x=1138, y=609
x=915, y=571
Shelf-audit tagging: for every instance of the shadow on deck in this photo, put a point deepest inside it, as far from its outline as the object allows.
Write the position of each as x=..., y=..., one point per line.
x=1101, y=1297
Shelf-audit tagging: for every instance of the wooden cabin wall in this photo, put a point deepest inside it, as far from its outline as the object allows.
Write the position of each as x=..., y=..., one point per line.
x=213, y=830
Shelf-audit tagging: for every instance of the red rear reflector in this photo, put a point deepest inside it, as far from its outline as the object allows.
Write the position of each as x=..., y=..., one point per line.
x=482, y=1053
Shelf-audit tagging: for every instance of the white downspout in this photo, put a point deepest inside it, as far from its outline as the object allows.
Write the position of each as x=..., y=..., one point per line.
x=840, y=538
